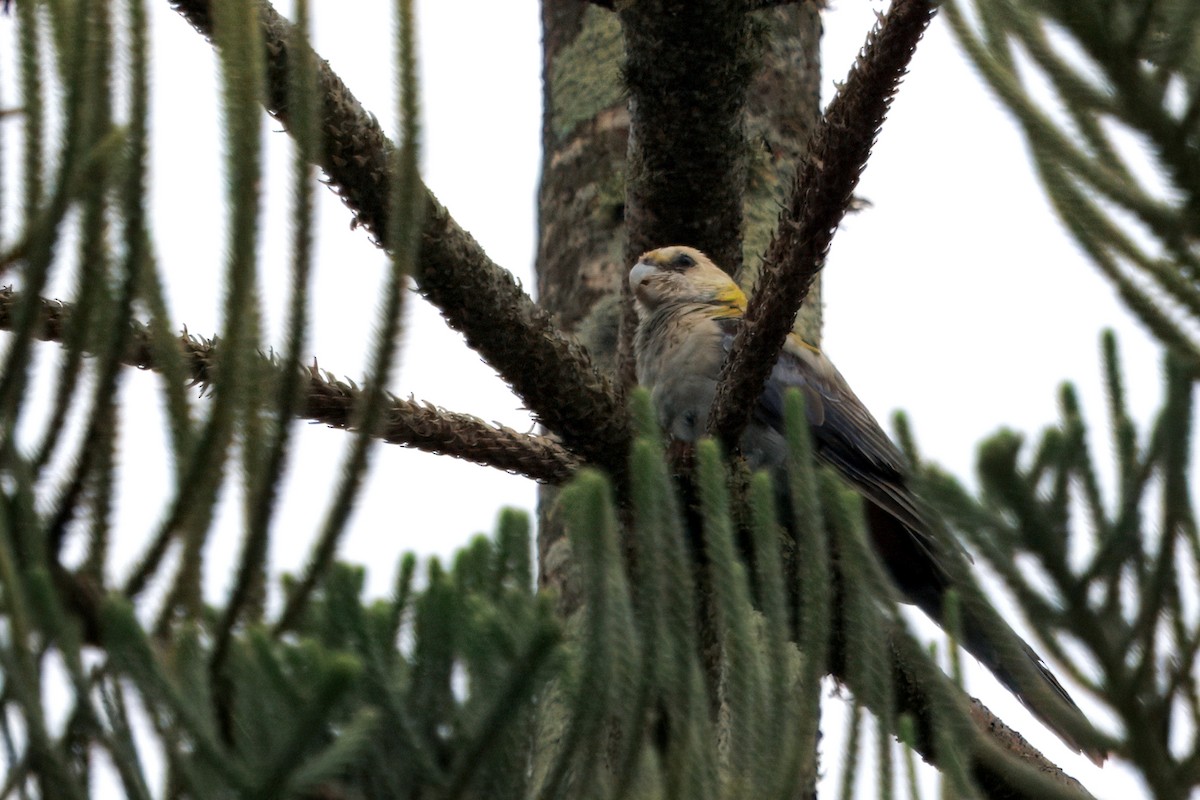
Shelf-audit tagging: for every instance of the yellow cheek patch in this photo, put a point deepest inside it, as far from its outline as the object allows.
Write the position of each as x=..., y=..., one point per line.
x=731, y=295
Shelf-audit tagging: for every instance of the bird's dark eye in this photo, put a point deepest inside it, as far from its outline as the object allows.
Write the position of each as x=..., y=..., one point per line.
x=682, y=261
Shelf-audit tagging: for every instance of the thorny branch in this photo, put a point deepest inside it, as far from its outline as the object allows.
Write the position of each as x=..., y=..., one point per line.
x=821, y=193
x=553, y=376
x=686, y=165
x=332, y=402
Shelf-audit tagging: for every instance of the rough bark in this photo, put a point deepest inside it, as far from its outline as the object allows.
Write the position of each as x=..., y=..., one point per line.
x=688, y=70
x=331, y=401
x=712, y=167
x=582, y=253
x=581, y=199
x=782, y=112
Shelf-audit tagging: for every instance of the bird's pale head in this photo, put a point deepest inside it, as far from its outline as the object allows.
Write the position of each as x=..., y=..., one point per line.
x=681, y=274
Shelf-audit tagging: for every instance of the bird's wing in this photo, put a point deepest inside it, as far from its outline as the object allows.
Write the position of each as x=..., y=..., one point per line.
x=848, y=438
x=844, y=432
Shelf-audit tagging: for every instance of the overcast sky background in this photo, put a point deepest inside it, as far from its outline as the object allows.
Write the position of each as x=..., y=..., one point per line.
x=955, y=296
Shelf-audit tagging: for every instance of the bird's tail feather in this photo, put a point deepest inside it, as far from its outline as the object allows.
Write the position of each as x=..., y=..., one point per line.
x=924, y=575
x=1030, y=681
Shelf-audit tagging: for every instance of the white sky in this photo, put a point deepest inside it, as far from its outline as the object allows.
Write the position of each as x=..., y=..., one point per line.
x=959, y=254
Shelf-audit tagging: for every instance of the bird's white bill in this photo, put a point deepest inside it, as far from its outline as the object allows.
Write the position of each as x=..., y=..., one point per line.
x=640, y=272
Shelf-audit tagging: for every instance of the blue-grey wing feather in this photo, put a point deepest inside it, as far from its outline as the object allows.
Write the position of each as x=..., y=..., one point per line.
x=845, y=436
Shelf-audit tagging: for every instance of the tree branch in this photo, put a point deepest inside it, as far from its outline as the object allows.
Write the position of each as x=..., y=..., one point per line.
x=1002, y=763
x=333, y=402
x=823, y=186
x=553, y=376
x=688, y=66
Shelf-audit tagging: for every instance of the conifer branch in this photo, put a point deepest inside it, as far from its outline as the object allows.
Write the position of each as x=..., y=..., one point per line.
x=1124, y=89
x=552, y=375
x=686, y=163
x=331, y=401
x=821, y=193
x=1002, y=763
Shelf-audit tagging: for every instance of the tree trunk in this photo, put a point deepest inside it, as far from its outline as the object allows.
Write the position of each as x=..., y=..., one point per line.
x=582, y=238
x=585, y=131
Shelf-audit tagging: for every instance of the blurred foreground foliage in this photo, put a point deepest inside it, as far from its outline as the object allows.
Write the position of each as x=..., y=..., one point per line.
x=692, y=666
x=466, y=682
x=1107, y=95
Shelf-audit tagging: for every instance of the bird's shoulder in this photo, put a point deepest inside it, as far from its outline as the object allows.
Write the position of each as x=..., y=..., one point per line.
x=837, y=418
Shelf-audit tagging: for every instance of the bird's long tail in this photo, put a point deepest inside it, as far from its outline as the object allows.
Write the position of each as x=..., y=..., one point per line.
x=923, y=578
x=1037, y=689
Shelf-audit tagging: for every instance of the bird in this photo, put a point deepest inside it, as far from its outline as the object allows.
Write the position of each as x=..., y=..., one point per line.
x=689, y=311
